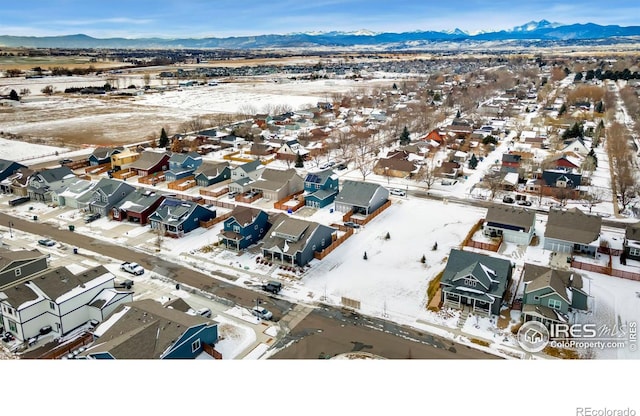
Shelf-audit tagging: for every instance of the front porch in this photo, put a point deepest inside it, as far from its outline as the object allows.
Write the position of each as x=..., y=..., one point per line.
x=479, y=304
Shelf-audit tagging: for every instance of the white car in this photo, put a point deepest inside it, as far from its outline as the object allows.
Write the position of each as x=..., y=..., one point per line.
x=398, y=192
x=262, y=313
x=133, y=268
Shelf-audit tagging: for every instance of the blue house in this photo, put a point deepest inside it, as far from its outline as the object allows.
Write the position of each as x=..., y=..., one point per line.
x=182, y=165
x=244, y=227
x=560, y=178
x=8, y=168
x=320, y=188
x=209, y=173
x=176, y=217
x=145, y=329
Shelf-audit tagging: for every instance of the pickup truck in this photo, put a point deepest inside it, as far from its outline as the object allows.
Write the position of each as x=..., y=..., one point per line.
x=133, y=268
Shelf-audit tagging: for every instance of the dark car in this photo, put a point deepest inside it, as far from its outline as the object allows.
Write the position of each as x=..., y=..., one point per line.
x=91, y=217
x=273, y=287
x=508, y=200
x=351, y=224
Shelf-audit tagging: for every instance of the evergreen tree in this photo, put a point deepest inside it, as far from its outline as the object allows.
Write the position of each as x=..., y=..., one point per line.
x=13, y=95
x=458, y=114
x=365, y=256
x=473, y=162
x=164, y=139
x=563, y=109
x=388, y=236
x=299, y=161
x=423, y=260
x=404, y=137
x=599, y=108
x=592, y=155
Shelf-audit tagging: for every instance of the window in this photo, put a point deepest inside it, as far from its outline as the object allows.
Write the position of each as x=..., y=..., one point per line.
x=195, y=346
x=18, y=272
x=634, y=251
x=536, y=298
x=236, y=228
x=12, y=326
x=555, y=304
x=255, y=227
x=470, y=282
x=52, y=306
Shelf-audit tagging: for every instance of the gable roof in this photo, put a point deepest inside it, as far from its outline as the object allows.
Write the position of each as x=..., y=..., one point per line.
x=632, y=231
x=290, y=235
x=110, y=186
x=249, y=166
x=357, y=193
x=244, y=215
x=539, y=277
x=573, y=225
x=6, y=164
x=105, y=152
x=505, y=215
x=320, y=177
x=274, y=179
x=211, y=169
x=143, y=329
x=397, y=164
x=147, y=160
x=10, y=257
x=492, y=272
x=139, y=200
x=56, y=174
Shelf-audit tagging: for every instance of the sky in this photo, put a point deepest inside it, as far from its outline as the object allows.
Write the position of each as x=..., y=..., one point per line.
x=225, y=18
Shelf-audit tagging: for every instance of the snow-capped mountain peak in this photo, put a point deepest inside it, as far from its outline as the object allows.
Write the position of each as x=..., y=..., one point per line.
x=533, y=25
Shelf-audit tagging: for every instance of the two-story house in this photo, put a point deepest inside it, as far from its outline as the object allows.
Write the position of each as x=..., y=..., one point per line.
x=8, y=168
x=176, y=217
x=149, y=162
x=122, y=158
x=571, y=231
x=41, y=184
x=550, y=296
x=16, y=265
x=105, y=195
x=59, y=301
x=210, y=173
x=276, y=184
x=320, y=188
x=294, y=242
x=245, y=226
x=102, y=155
x=475, y=282
x=182, y=165
x=72, y=194
x=243, y=175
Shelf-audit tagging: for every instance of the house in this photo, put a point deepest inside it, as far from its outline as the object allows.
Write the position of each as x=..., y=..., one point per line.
x=41, y=184
x=436, y=136
x=149, y=162
x=105, y=195
x=72, y=194
x=560, y=178
x=578, y=146
x=243, y=175
x=209, y=173
x=550, y=295
x=320, y=188
x=565, y=162
x=631, y=243
x=276, y=184
x=175, y=217
x=290, y=150
x=396, y=166
x=137, y=206
x=17, y=183
x=145, y=329
x=20, y=265
x=572, y=231
x=510, y=163
x=475, y=282
x=450, y=170
x=8, y=168
x=182, y=165
x=514, y=225
x=102, y=155
x=244, y=227
x=294, y=242
x=361, y=197
x=60, y=300
x=122, y=158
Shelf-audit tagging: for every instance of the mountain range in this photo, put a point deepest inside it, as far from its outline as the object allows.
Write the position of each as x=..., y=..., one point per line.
x=533, y=31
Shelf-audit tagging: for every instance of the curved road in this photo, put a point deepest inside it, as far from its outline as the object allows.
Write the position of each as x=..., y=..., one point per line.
x=326, y=331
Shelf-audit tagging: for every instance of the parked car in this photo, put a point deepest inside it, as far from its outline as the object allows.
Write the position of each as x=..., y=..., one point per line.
x=127, y=284
x=232, y=195
x=398, y=192
x=206, y=312
x=133, y=268
x=46, y=242
x=351, y=224
x=508, y=200
x=261, y=313
x=273, y=287
x=525, y=203
x=91, y=217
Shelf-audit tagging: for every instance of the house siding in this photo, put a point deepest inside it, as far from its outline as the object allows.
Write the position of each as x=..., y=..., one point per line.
x=27, y=269
x=544, y=295
x=182, y=348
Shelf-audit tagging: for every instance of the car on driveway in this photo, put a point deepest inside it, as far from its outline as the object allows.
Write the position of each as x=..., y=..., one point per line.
x=398, y=192
x=133, y=268
x=91, y=217
x=262, y=313
x=351, y=224
x=46, y=242
x=508, y=200
x=524, y=203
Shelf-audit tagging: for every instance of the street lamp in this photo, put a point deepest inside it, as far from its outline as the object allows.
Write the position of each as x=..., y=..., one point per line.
x=10, y=229
x=258, y=308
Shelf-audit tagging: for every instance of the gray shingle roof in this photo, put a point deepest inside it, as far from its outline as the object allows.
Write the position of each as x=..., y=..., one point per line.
x=506, y=215
x=573, y=225
x=147, y=160
x=357, y=193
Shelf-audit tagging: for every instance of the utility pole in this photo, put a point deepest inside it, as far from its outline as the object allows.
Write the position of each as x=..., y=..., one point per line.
x=10, y=229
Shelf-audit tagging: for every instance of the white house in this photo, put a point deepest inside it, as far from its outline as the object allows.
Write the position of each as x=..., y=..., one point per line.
x=59, y=301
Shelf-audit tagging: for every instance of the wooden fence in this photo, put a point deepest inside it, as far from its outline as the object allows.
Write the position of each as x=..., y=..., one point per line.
x=214, y=192
x=608, y=270
x=214, y=221
x=152, y=179
x=485, y=246
x=182, y=184
x=63, y=349
x=362, y=221
x=348, y=232
x=97, y=169
x=282, y=204
x=123, y=174
x=220, y=204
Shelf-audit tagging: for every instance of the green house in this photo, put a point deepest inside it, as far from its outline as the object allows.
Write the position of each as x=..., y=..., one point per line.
x=550, y=295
